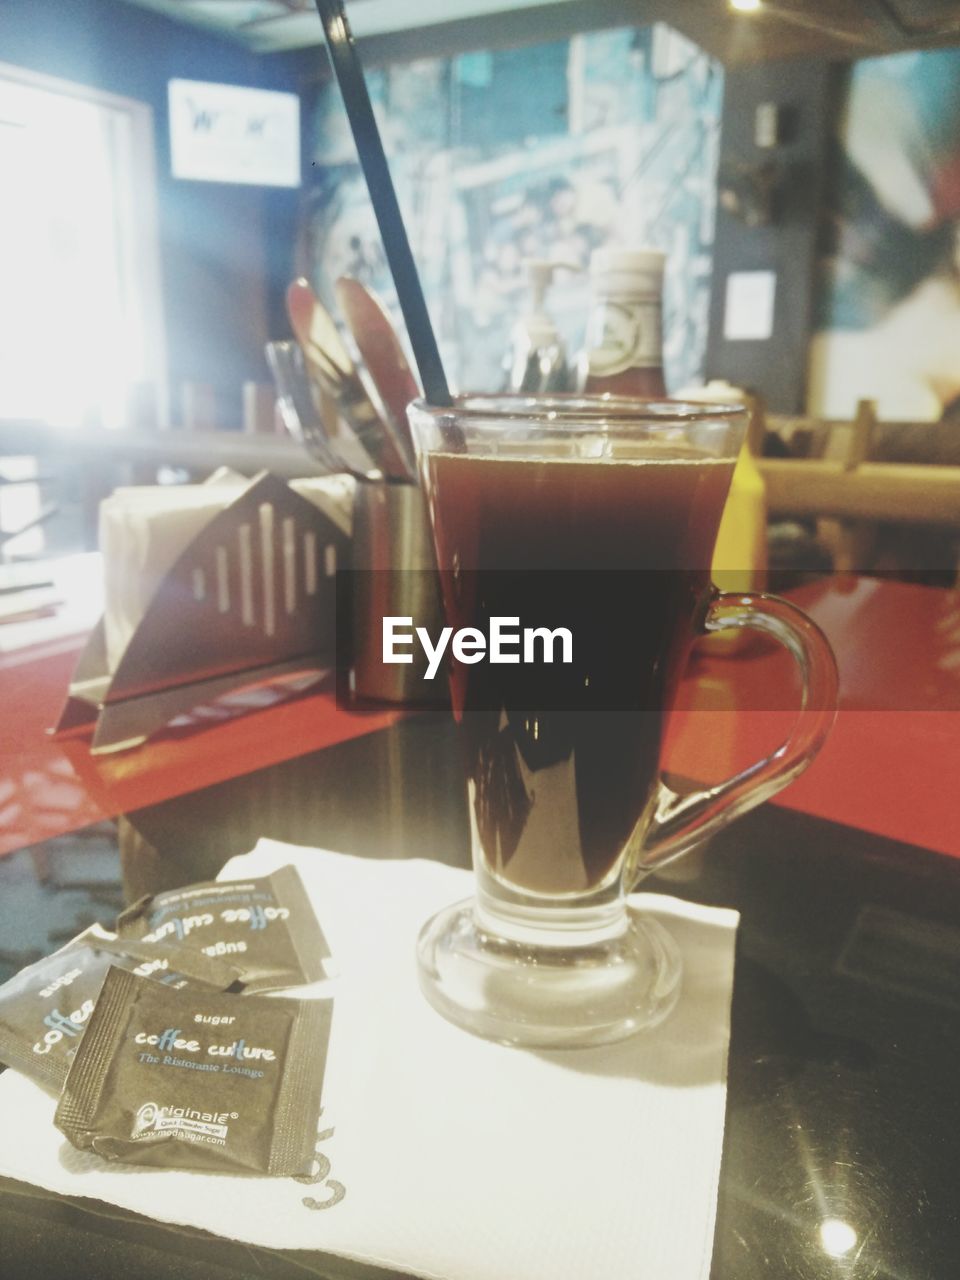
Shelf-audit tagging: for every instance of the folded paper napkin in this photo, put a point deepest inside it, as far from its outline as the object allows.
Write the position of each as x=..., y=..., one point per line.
x=442, y=1155
x=145, y=528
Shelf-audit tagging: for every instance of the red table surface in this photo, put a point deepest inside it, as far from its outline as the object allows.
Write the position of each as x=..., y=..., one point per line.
x=890, y=766
x=49, y=786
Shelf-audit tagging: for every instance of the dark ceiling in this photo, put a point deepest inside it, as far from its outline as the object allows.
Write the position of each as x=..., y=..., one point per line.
x=831, y=28
x=404, y=28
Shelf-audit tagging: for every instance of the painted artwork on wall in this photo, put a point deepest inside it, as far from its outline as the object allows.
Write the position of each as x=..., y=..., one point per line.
x=889, y=314
x=546, y=151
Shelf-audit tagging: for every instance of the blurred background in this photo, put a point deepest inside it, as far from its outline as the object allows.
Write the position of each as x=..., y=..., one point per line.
x=170, y=165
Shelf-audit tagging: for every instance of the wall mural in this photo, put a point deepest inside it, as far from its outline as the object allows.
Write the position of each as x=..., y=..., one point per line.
x=889, y=315
x=550, y=150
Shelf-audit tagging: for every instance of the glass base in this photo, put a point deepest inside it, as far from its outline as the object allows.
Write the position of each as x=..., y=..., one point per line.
x=555, y=997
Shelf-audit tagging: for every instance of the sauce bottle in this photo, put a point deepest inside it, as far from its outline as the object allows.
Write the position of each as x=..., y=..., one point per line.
x=625, y=330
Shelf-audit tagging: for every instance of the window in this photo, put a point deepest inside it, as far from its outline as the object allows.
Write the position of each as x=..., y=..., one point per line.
x=80, y=322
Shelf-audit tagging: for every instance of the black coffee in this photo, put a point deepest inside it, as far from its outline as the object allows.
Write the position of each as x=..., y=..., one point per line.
x=562, y=761
x=191, y=1080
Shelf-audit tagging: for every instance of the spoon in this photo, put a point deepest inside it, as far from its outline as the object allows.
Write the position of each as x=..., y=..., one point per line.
x=382, y=355
x=302, y=420
x=329, y=364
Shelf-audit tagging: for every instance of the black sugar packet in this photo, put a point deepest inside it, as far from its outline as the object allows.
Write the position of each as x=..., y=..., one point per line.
x=46, y=1007
x=197, y=1080
x=265, y=927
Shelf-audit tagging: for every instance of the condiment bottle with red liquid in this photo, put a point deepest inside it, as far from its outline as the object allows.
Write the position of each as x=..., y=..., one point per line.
x=624, y=349
x=624, y=357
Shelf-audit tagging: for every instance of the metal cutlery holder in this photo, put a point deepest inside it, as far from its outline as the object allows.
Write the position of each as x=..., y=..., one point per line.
x=394, y=575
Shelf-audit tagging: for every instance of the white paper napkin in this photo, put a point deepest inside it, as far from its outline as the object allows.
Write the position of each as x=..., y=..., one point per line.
x=145, y=528
x=443, y=1155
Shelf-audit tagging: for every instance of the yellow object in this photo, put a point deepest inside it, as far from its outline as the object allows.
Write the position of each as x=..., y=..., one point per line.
x=740, y=554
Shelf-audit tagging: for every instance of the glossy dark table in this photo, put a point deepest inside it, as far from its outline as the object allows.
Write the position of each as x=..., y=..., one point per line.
x=841, y=1148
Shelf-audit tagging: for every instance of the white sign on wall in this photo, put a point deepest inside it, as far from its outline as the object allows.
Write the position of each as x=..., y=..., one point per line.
x=226, y=133
x=748, y=310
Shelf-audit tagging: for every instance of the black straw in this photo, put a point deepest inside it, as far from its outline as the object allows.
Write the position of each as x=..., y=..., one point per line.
x=356, y=99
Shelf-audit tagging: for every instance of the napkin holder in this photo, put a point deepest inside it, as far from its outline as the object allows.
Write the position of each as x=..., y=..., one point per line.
x=252, y=600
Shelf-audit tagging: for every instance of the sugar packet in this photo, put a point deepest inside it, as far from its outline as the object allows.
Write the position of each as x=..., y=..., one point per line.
x=196, y=1080
x=44, y=1009
x=266, y=927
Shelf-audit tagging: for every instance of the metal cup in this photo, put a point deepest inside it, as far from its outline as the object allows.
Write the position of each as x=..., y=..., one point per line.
x=394, y=575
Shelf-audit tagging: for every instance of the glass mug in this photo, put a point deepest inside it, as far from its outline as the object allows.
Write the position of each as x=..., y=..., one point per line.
x=598, y=517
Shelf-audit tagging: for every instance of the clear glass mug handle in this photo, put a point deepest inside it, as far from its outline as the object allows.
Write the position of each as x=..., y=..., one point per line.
x=679, y=821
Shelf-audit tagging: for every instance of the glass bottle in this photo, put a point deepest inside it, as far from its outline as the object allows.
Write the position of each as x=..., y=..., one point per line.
x=625, y=331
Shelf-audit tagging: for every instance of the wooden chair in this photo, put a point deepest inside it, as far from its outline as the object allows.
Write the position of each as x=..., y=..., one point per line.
x=852, y=497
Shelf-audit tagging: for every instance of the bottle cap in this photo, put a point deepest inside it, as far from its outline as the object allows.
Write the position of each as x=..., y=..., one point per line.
x=626, y=272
